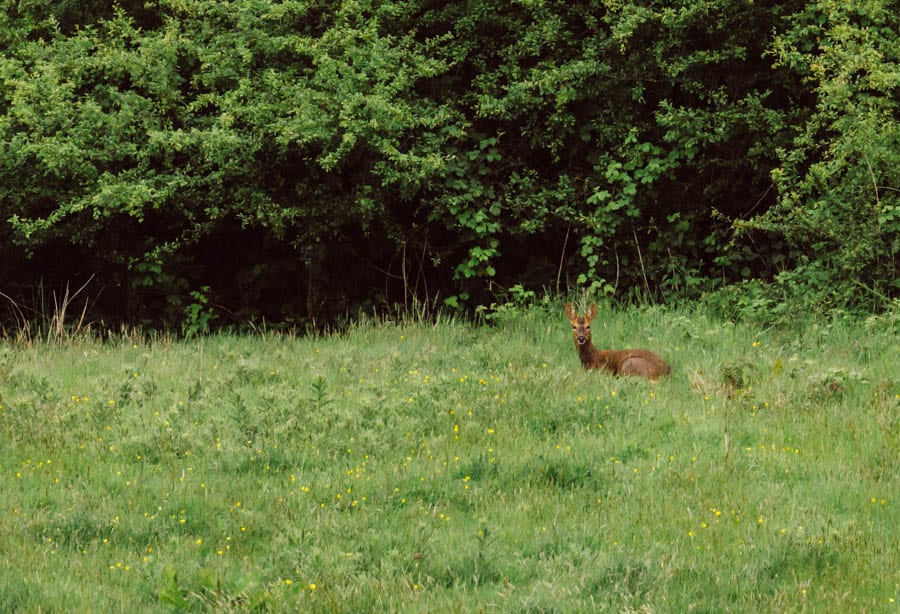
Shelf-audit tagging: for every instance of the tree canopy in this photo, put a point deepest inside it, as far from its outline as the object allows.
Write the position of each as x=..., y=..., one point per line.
x=292, y=160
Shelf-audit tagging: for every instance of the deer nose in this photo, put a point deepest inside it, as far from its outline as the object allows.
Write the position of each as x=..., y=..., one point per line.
x=580, y=339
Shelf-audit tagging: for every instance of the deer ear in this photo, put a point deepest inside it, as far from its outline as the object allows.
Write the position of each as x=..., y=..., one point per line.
x=570, y=311
x=592, y=311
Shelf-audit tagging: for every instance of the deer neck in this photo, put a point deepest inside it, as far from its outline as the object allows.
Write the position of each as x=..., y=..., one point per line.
x=588, y=354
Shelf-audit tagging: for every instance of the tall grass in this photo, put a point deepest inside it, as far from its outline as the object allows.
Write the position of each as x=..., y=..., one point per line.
x=48, y=317
x=448, y=467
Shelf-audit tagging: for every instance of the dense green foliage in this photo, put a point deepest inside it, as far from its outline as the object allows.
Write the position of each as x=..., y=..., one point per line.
x=225, y=160
x=454, y=468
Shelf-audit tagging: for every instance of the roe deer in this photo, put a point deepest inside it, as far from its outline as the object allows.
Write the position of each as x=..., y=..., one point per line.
x=642, y=363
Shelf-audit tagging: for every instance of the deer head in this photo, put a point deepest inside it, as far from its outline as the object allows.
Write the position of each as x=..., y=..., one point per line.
x=581, y=325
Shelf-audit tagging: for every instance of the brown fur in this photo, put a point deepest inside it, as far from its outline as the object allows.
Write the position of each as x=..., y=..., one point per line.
x=639, y=363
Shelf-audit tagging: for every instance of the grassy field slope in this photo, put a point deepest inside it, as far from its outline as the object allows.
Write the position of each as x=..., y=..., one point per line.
x=452, y=467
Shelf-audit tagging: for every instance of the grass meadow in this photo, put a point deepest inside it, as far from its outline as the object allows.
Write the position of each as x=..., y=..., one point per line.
x=449, y=467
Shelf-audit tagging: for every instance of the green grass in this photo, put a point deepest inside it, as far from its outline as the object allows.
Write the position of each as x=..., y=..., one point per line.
x=451, y=467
